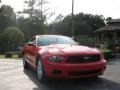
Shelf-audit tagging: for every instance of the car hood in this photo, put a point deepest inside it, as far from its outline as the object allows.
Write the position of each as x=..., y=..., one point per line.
x=71, y=49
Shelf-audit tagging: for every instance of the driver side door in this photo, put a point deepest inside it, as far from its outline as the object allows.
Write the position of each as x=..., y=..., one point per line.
x=31, y=51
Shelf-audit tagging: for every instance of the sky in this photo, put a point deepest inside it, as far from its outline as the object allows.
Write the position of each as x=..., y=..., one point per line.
x=107, y=8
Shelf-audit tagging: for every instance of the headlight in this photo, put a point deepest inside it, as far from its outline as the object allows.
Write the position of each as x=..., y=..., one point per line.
x=56, y=58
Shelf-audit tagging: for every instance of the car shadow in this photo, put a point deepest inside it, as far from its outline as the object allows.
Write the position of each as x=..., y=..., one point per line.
x=73, y=84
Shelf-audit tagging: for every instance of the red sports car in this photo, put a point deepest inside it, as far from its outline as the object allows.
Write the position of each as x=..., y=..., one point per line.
x=58, y=56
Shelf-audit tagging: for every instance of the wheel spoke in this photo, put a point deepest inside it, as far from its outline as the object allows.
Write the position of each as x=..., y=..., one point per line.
x=39, y=70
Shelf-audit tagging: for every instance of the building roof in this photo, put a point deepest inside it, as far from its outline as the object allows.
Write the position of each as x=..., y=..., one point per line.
x=114, y=21
x=113, y=25
x=110, y=28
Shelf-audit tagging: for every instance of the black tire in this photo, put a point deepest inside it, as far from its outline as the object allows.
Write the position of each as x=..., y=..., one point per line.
x=40, y=71
x=25, y=64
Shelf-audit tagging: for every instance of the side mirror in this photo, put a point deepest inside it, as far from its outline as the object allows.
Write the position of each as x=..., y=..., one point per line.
x=31, y=43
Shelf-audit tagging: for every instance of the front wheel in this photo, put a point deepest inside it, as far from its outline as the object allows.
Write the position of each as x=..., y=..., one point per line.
x=40, y=71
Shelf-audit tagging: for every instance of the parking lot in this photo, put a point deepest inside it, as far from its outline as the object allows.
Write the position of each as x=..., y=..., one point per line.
x=13, y=77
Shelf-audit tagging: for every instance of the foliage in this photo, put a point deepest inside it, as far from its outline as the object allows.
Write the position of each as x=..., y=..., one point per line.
x=35, y=22
x=83, y=24
x=10, y=38
x=61, y=27
x=107, y=53
x=29, y=29
x=85, y=40
x=34, y=11
x=108, y=19
x=106, y=50
x=58, y=18
x=14, y=35
x=7, y=17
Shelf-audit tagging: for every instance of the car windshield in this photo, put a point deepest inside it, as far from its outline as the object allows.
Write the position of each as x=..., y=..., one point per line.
x=54, y=39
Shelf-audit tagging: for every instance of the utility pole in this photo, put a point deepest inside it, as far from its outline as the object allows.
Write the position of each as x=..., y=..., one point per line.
x=41, y=9
x=72, y=33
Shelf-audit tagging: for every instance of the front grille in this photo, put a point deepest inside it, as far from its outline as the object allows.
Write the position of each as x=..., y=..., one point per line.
x=90, y=72
x=83, y=58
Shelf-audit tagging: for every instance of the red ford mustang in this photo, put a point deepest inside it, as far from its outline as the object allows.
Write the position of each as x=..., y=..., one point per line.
x=61, y=57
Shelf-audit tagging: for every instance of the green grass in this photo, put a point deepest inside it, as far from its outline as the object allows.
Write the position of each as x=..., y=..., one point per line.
x=15, y=56
x=2, y=56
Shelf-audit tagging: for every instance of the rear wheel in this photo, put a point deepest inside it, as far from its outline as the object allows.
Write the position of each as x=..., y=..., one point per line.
x=40, y=71
x=25, y=64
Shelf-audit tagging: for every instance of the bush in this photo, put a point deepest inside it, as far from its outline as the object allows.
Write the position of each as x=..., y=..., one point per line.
x=85, y=40
x=107, y=53
x=12, y=35
x=10, y=38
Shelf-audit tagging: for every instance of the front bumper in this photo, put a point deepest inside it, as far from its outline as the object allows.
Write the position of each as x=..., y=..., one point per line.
x=79, y=70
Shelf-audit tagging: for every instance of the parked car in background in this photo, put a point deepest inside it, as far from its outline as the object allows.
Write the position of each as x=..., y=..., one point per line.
x=56, y=56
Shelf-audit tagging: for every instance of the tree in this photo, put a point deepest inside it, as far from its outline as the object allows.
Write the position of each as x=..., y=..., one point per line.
x=10, y=38
x=60, y=26
x=94, y=21
x=34, y=11
x=108, y=19
x=35, y=22
x=7, y=17
x=83, y=24
x=12, y=35
x=82, y=28
x=59, y=18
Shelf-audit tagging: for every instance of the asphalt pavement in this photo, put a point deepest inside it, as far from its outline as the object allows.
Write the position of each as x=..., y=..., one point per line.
x=14, y=77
